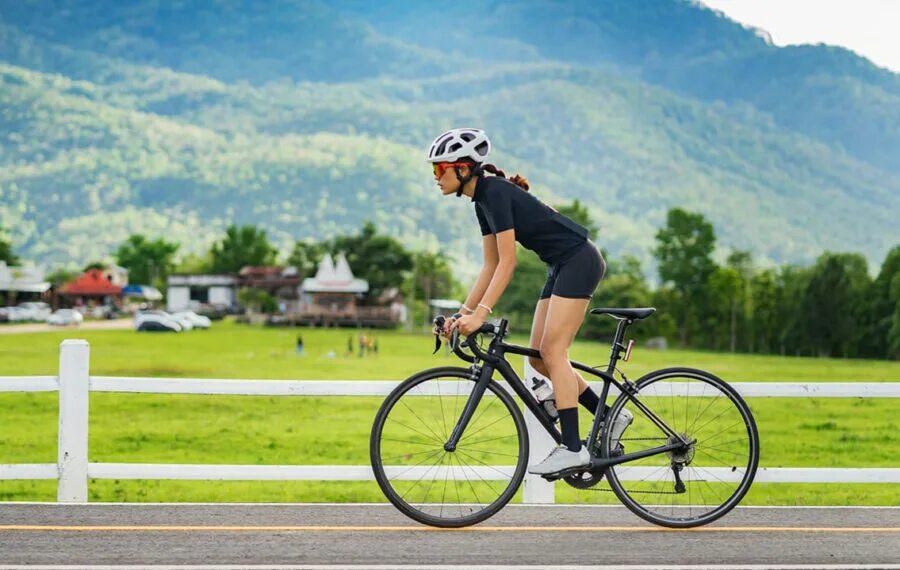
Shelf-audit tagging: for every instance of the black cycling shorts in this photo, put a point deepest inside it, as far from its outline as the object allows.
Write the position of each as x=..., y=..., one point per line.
x=577, y=277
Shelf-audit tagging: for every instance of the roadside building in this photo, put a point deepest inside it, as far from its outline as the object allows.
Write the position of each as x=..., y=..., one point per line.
x=19, y=284
x=217, y=291
x=95, y=288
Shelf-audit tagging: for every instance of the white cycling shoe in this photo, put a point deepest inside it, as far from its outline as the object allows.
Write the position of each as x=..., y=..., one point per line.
x=561, y=458
x=623, y=420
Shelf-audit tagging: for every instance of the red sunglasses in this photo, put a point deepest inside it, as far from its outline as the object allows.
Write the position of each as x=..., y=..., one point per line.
x=440, y=168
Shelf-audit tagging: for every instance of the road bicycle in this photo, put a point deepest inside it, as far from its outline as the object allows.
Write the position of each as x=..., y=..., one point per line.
x=449, y=446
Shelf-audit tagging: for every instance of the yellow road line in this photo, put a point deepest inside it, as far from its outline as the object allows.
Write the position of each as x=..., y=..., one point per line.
x=324, y=528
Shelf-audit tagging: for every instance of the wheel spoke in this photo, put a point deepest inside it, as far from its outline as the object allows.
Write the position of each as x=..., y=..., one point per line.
x=409, y=427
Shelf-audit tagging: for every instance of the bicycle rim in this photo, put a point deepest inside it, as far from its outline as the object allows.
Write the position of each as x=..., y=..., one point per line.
x=448, y=488
x=696, y=484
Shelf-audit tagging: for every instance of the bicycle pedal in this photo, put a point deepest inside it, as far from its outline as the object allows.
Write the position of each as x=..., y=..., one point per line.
x=565, y=473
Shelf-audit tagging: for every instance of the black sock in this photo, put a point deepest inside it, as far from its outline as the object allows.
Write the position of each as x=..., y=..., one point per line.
x=568, y=420
x=589, y=399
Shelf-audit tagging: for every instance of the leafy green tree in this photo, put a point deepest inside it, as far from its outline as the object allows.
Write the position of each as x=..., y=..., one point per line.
x=791, y=286
x=147, y=261
x=765, y=320
x=95, y=265
x=579, y=213
x=881, y=308
x=257, y=300
x=431, y=276
x=241, y=247
x=720, y=315
x=194, y=263
x=893, y=341
x=684, y=252
x=307, y=255
x=6, y=252
x=741, y=322
x=61, y=276
x=831, y=303
x=379, y=259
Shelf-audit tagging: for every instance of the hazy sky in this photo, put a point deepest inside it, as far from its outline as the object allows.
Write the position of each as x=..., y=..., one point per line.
x=871, y=28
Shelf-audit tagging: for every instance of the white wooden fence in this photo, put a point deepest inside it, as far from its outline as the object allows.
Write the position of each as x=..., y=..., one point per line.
x=73, y=470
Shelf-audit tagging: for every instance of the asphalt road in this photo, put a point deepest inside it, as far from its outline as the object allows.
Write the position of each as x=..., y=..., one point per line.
x=295, y=535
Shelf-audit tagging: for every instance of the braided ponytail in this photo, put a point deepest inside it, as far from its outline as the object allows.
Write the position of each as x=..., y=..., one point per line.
x=518, y=179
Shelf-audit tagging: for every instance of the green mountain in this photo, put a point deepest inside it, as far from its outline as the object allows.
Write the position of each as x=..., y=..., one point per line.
x=309, y=119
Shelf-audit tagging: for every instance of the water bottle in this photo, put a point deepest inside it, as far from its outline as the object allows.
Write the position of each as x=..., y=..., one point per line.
x=543, y=392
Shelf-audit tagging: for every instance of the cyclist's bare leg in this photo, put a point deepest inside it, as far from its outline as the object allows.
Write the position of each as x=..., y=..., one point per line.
x=564, y=318
x=537, y=334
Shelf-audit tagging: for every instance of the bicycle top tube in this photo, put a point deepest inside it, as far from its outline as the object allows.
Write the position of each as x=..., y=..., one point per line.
x=492, y=359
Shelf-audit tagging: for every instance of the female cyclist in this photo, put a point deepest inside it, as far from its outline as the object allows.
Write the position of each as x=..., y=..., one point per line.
x=507, y=213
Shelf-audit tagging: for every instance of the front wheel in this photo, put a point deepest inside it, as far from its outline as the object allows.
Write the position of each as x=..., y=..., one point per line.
x=694, y=484
x=445, y=488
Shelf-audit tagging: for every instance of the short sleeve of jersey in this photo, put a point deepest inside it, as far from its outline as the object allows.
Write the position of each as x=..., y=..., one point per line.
x=485, y=228
x=497, y=209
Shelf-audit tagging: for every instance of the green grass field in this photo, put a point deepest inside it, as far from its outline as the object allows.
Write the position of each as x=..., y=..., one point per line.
x=795, y=432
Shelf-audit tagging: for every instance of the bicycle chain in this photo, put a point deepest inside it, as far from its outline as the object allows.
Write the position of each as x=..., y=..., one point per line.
x=632, y=491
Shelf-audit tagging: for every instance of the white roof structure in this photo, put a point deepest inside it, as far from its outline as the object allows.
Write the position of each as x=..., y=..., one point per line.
x=24, y=279
x=331, y=278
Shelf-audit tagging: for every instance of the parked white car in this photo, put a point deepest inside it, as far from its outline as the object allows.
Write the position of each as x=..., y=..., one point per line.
x=64, y=317
x=35, y=311
x=156, y=321
x=197, y=321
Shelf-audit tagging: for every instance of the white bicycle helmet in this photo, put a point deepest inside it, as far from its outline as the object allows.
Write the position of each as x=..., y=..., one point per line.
x=457, y=144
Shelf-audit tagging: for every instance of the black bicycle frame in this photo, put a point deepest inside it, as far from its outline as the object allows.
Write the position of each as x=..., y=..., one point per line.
x=495, y=359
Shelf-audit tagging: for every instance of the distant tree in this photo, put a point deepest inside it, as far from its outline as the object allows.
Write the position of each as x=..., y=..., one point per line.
x=720, y=315
x=684, y=253
x=241, y=247
x=792, y=330
x=194, y=263
x=61, y=276
x=6, y=252
x=306, y=256
x=148, y=262
x=379, y=259
x=831, y=301
x=579, y=213
x=95, y=265
x=256, y=300
x=881, y=308
x=893, y=341
x=765, y=318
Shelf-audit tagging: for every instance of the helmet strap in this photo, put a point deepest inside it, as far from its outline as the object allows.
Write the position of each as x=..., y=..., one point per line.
x=474, y=171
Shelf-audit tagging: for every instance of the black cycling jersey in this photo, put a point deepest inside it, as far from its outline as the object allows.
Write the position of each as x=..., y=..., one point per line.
x=500, y=205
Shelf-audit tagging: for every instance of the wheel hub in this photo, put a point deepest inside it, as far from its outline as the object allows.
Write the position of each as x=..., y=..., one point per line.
x=683, y=455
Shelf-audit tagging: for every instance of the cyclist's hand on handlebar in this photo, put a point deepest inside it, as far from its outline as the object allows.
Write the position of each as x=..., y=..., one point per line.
x=467, y=324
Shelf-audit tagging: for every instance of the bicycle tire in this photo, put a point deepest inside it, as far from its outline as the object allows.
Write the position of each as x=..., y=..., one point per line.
x=394, y=494
x=742, y=422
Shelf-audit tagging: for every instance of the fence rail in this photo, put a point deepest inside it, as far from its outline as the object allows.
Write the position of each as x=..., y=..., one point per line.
x=73, y=469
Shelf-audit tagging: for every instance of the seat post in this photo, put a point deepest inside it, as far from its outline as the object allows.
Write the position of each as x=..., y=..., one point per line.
x=617, y=346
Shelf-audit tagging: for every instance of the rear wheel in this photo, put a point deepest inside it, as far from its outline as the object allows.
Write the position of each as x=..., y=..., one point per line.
x=697, y=483
x=448, y=488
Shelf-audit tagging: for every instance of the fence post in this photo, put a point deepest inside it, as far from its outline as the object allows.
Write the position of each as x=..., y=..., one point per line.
x=536, y=488
x=74, y=386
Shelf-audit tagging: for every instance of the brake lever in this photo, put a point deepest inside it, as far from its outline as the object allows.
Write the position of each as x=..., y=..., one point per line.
x=439, y=323
x=438, y=329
